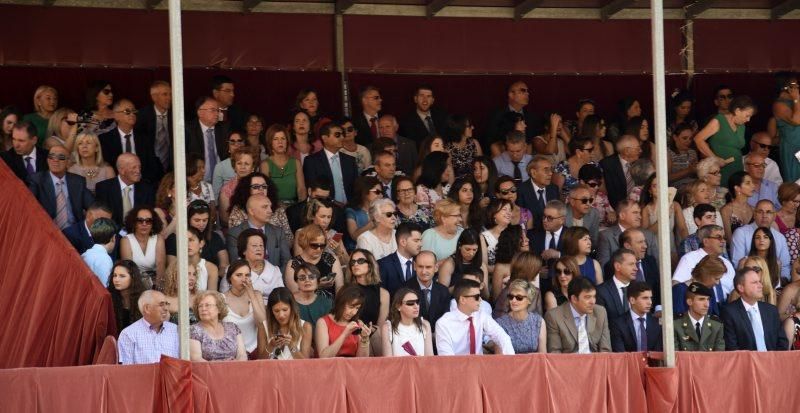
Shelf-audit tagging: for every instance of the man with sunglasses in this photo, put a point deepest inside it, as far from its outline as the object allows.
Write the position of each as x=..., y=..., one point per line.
x=761, y=144
x=460, y=332
x=712, y=241
x=124, y=139
x=338, y=167
x=518, y=98
x=63, y=195
x=580, y=212
x=206, y=135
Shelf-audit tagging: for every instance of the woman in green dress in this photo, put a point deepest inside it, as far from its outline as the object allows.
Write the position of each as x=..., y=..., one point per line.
x=786, y=110
x=723, y=136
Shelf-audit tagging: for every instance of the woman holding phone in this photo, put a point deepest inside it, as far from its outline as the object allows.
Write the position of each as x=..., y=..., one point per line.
x=285, y=335
x=320, y=212
x=341, y=333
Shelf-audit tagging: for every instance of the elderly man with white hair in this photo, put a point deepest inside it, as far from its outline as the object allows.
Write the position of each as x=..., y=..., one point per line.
x=380, y=239
x=144, y=341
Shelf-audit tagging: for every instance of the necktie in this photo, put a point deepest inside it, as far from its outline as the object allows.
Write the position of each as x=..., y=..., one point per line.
x=552, y=245
x=408, y=270
x=211, y=154
x=628, y=178
x=697, y=330
x=541, y=198
x=62, y=217
x=625, y=306
x=758, y=329
x=126, y=201
x=720, y=295
x=338, y=182
x=387, y=191
x=373, y=126
x=429, y=125
x=472, y=346
x=29, y=166
x=128, y=143
x=639, y=271
x=427, y=292
x=162, y=141
x=642, y=335
x=517, y=172
x=583, y=337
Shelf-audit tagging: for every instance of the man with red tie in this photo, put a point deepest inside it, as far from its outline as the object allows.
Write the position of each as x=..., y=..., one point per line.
x=366, y=122
x=459, y=332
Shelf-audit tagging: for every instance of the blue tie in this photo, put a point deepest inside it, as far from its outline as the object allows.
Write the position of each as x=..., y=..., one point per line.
x=720, y=293
x=338, y=182
x=211, y=154
x=642, y=335
x=408, y=270
x=758, y=328
x=639, y=271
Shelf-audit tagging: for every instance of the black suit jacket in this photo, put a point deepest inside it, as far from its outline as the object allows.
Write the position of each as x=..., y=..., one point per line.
x=538, y=237
x=739, y=332
x=365, y=136
x=532, y=121
x=295, y=214
x=412, y=126
x=146, y=125
x=614, y=178
x=623, y=333
x=651, y=276
x=111, y=144
x=526, y=198
x=608, y=297
x=109, y=192
x=392, y=274
x=316, y=165
x=236, y=118
x=41, y=185
x=17, y=164
x=406, y=155
x=195, y=142
x=440, y=301
x=78, y=236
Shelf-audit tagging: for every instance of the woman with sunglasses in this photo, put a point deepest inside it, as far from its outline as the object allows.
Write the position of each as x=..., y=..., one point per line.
x=213, y=251
x=497, y=219
x=286, y=336
x=592, y=176
x=787, y=121
x=341, y=333
x=320, y=212
x=286, y=172
x=484, y=172
x=252, y=184
x=565, y=173
x=576, y=243
x=350, y=147
x=375, y=309
x=682, y=159
x=564, y=270
x=506, y=189
x=406, y=333
x=313, y=242
x=311, y=304
x=62, y=129
x=709, y=171
x=525, y=265
x=380, y=239
x=365, y=190
x=224, y=171
x=142, y=244
x=526, y=329
x=403, y=193
x=87, y=160
x=45, y=101
x=99, y=100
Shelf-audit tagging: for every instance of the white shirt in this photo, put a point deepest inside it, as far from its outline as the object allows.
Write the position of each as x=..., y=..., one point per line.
x=122, y=140
x=637, y=326
x=452, y=334
x=122, y=186
x=620, y=285
x=536, y=190
x=548, y=236
x=683, y=272
x=403, y=261
x=694, y=322
x=31, y=155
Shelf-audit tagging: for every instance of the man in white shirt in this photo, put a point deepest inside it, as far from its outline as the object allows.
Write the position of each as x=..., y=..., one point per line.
x=612, y=294
x=712, y=242
x=459, y=332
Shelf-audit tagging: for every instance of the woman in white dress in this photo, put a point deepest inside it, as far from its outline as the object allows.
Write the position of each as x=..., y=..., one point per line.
x=285, y=335
x=143, y=245
x=207, y=272
x=405, y=333
x=240, y=299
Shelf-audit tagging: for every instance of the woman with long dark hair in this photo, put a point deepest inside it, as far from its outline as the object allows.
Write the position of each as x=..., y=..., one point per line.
x=463, y=193
x=468, y=254
x=485, y=173
x=737, y=211
x=406, y=333
x=341, y=333
x=285, y=335
x=458, y=141
x=434, y=179
x=723, y=136
x=125, y=286
x=511, y=241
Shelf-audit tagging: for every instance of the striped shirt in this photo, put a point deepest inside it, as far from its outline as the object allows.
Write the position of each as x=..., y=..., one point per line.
x=139, y=343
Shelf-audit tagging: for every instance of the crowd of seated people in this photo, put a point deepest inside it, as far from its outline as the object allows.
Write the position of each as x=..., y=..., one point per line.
x=415, y=234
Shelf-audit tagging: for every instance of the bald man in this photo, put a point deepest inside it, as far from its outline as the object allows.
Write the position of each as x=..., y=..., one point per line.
x=761, y=144
x=259, y=213
x=125, y=191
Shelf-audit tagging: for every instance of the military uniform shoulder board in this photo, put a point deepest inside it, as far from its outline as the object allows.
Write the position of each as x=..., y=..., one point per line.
x=714, y=317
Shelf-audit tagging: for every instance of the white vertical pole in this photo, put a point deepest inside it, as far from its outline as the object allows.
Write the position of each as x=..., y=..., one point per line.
x=339, y=48
x=179, y=160
x=660, y=118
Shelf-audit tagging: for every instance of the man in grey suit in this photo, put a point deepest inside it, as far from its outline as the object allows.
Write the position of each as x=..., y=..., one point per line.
x=580, y=212
x=406, y=148
x=578, y=325
x=259, y=212
x=630, y=216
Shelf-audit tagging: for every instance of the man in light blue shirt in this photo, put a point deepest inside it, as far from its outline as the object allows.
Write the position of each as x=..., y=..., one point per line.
x=764, y=188
x=514, y=161
x=145, y=340
x=97, y=258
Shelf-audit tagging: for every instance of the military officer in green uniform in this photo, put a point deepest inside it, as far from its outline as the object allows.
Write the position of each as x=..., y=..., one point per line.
x=696, y=330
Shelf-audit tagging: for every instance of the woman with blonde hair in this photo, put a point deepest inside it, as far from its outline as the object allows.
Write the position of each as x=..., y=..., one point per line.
x=442, y=239
x=525, y=327
x=45, y=101
x=170, y=289
x=61, y=129
x=87, y=160
x=759, y=265
x=524, y=266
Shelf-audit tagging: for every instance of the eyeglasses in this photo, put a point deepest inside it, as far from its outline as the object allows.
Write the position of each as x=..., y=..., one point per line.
x=349, y=129
x=755, y=268
x=411, y=303
x=106, y=91
x=235, y=141
x=757, y=165
x=259, y=187
x=359, y=261
x=584, y=201
x=405, y=191
x=304, y=277
x=376, y=191
x=512, y=297
x=512, y=190
x=316, y=246
x=565, y=271
x=549, y=218
x=716, y=237
x=127, y=111
x=477, y=297
x=764, y=145
x=57, y=157
x=726, y=97
x=217, y=110
x=145, y=221
x=593, y=184
x=390, y=214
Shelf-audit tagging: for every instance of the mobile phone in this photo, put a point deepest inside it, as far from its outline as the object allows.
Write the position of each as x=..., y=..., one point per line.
x=338, y=236
x=357, y=331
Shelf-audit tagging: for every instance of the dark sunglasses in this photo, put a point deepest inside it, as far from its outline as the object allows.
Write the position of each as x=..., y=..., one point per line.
x=359, y=261
x=316, y=246
x=376, y=191
x=585, y=201
x=477, y=297
x=512, y=297
x=512, y=190
x=57, y=157
x=107, y=91
x=593, y=184
x=390, y=214
x=565, y=271
x=144, y=220
x=235, y=141
x=764, y=146
x=259, y=187
x=70, y=122
x=304, y=277
x=411, y=303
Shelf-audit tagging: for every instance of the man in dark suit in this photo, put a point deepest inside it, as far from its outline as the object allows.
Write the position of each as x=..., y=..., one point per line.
x=546, y=242
x=518, y=98
x=366, y=122
x=406, y=152
x=319, y=189
x=434, y=298
x=581, y=213
x=63, y=195
x=206, y=132
x=612, y=293
x=647, y=270
x=259, y=212
x=155, y=121
x=616, y=169
x=751, y=324
x=629, y=216
x=567, y=323
x=637, y=329
x=78, y=233
x=339, y=167
x=398, y=268
x=125, y=139
x=426, y=120
x=25, y=158
x=125, y=191
x=534, y=193
x=231, y=115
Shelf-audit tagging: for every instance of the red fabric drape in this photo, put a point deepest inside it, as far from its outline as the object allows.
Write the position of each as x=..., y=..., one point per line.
x=55, y=312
